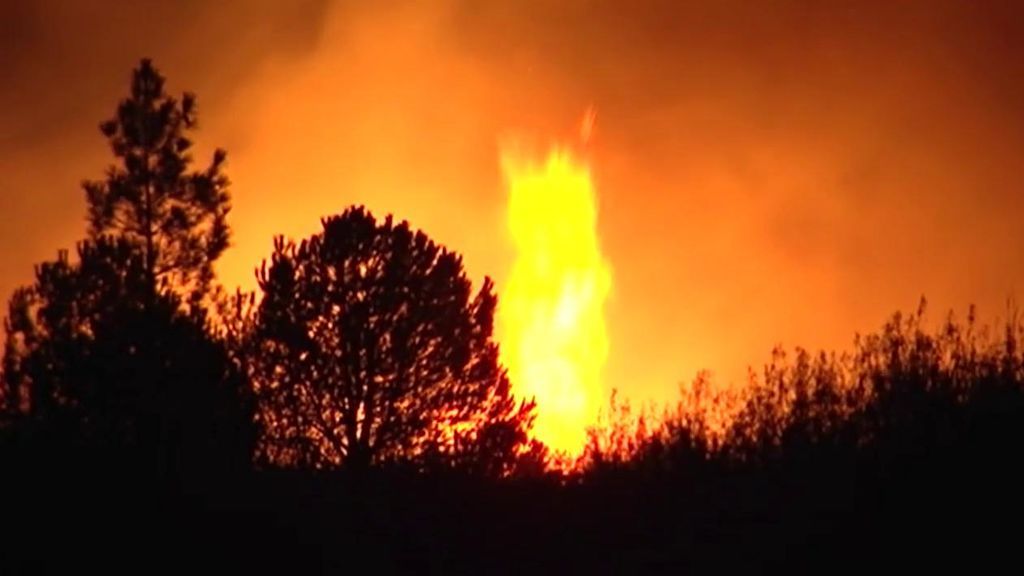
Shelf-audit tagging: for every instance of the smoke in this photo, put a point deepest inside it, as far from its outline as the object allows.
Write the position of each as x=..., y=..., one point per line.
x=768, y=173
x=65, y=65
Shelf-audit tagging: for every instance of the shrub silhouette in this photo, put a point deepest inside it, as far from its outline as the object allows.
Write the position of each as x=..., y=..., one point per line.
x=905, y=448
x=902, y=388
x=369, y=348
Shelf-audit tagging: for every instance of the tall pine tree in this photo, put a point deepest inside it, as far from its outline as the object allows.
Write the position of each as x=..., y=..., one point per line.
x=113, y=348
x=177, y=216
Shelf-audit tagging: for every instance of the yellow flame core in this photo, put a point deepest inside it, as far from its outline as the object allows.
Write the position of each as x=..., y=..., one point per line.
x=550, y=314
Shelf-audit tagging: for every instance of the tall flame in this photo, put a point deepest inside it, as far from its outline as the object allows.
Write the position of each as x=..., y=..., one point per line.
x=550, y=314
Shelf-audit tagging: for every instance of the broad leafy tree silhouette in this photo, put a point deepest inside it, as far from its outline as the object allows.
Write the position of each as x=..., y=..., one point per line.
x=370, y=349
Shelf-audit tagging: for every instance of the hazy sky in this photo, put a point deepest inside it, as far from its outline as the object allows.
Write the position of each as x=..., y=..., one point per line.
x=769, y=172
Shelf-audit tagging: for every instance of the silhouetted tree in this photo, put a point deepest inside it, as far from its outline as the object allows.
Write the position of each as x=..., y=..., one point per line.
x=103, y=349
x=91, y=354
x=369, y=348
x=176, y=216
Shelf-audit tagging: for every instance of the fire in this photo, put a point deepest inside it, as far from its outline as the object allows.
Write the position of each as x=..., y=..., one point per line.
x=551, y=317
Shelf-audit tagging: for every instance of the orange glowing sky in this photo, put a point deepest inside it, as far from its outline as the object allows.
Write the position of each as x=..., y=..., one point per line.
x=767, y=172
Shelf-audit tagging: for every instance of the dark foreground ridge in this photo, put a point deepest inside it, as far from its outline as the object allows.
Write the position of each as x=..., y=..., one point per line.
x=901, y=455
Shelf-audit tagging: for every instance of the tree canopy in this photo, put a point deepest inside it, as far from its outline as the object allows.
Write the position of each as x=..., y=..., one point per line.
x=113, y=349
x=177, y=217
x=370, y=348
